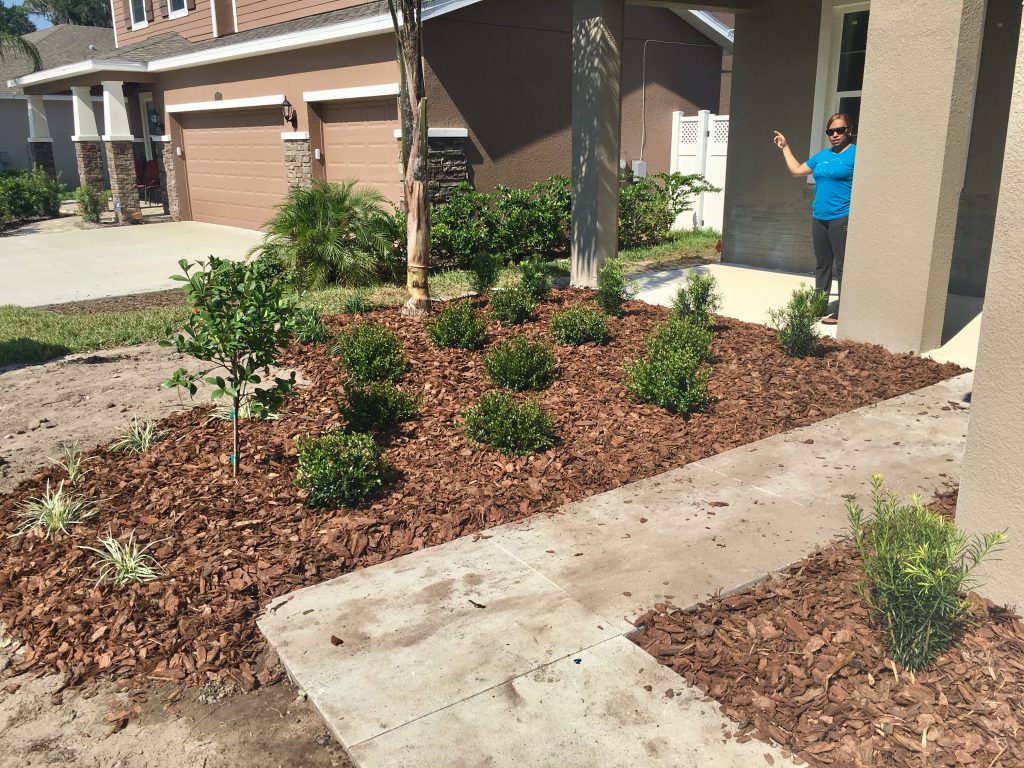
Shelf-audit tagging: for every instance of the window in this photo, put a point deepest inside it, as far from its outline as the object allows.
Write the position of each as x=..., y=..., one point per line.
x=176, y=8
x=138, y=11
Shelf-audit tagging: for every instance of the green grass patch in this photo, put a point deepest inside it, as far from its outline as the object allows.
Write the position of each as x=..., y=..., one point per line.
x=683, y=244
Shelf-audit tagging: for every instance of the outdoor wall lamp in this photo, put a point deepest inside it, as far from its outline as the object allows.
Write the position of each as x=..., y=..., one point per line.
x=288, y=113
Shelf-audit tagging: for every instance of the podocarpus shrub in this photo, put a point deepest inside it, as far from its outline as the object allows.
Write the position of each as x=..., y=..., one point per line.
x=513, y=306
x=579, y=325
x=917, y=567
x=485, y=269
x=458, y=326
x=797, y=320
x=91, y=202
x=26, y=195
x=534, y=278
x=370, y=352
x=521, y=364
x=377, y=405
x=513, y=428
x=698, y=298
x=673, y=373
x=338, y=468
x=241, y=320
x=614, y=289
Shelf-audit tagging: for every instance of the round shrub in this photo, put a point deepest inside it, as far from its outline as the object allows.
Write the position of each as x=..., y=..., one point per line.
x=673, y=373
x=513, y=428
x=698, y=298
x=512, y=306
x=614, y=289
x=534, y=278
x=458, y=326
x=370, y=352
x=684, y=334
x=579, y=325
x=521, y=364
x=339, y=469
x=485, y=269
x=376, y=405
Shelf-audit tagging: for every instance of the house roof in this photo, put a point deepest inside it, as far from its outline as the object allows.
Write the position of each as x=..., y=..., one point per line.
x=59, y=45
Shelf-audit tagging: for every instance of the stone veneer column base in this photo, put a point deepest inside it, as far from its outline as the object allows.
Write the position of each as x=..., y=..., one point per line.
x=448, y=163
x=89, y=155
x=169, y=180
x=121, y=162
x=41, y=153
x=298, y=161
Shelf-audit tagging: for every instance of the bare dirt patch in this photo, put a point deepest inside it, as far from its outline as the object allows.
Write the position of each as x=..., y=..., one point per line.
x=174, y=297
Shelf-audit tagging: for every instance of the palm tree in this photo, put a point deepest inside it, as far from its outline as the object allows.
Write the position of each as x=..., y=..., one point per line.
x=89, y=13
x=14, y=45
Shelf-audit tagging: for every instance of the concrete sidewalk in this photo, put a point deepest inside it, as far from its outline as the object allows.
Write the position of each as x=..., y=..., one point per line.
x=511, y=650
x=55, y=267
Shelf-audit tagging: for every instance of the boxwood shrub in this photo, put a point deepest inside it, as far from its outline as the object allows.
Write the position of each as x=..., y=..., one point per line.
x=534, y=278
x=673, y=373
x=578, y=325
x=458, y=326
x=614, y=289
x=512, y=306
x=370, y=352
x=339, y=469
x=513, y=428
x=377, y=405
x=521, y=364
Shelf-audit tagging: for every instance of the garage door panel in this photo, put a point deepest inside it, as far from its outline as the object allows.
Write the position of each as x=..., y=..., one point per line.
x=235, y=166
x=359, y=143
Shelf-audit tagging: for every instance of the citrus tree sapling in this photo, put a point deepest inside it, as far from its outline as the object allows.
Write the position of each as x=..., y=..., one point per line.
x=242, y=317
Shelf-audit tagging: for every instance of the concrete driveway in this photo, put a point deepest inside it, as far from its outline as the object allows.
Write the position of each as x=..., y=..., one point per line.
x=50, y=267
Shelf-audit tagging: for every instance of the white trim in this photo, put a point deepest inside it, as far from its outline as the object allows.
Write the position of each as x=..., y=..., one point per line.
x=441, y=133
x=113, y=19
x=234, y=12
x=295, y=136
x=825, y=74
x=57, y=97
x=86, y=138
x=87, y=67
x=359, y=92
x=710, y=26
x=40, y=139
x=180, y=13
x=206, y=106
x=213, y=18
x=108, y=137
x=165, y=137
x=146, y=97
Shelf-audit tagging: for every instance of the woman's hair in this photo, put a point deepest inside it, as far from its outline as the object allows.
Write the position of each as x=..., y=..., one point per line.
x=842, y=116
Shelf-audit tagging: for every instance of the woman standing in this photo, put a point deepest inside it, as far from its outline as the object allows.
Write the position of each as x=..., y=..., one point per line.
x=830, y=211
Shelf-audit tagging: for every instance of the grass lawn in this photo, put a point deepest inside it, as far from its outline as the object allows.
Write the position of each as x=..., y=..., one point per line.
x=36, y=335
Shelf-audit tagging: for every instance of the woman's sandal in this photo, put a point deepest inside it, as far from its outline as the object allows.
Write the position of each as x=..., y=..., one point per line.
x=830, y=320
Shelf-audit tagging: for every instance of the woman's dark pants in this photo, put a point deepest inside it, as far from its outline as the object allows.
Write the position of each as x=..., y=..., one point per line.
x=829, y=251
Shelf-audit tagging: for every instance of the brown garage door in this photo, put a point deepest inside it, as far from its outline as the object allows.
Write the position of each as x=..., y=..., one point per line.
x=235, y=166
x=359, y=143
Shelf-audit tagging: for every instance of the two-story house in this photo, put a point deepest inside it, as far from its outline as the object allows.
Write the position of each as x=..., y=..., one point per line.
x=238, y=100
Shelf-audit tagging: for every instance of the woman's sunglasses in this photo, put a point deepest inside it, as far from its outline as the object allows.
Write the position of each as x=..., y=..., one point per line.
x=837, y=131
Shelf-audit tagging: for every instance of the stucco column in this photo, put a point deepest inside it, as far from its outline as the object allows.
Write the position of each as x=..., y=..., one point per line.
x=912, y=148
x=992, y=481
x=120, y=148
x=88, y=147
x=596, y=135
x=40, y=142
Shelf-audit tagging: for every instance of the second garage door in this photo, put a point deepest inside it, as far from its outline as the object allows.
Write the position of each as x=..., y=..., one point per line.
x=235, y=166
x=359, y=143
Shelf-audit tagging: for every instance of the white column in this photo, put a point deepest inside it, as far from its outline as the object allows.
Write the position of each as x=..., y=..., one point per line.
x=38, y=125
x=115, y=112
x=85, y=114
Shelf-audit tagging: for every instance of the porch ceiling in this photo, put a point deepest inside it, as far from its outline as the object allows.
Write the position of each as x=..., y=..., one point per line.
x=735, y=6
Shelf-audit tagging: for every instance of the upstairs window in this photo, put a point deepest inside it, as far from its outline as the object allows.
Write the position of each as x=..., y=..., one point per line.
x=177, y=8
x=138, y=11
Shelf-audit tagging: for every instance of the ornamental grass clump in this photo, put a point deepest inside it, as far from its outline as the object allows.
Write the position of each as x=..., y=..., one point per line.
x=918, y=566
x=513, y=428
x=370, y=352
x=458, y=326
x=521, y=364
x=579, y=325
x=126, y=563
x=513, y=306
x=70, y=462
x=138, y=436
x=673, y=373
x=309, y=326
x=54, y=512
x=614, y=289
x=797, y=320
x=697, y=299
x=377, y=405
x=339, y=469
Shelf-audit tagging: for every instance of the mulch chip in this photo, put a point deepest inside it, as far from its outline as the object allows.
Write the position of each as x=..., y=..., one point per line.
x=229, y=548
x=796, y=661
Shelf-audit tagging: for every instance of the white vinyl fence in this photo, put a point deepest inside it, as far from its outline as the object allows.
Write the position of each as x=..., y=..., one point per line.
x=700, y=145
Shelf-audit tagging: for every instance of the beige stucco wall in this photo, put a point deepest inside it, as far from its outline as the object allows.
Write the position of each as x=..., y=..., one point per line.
x=992, y=483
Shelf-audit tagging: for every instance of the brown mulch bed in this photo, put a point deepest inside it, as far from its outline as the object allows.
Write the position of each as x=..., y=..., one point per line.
x=795, y=660
x=229, y=547
x=174, y=297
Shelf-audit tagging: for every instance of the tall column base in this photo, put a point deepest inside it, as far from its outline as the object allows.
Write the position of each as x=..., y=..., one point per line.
x=298, y=162
x=89, y=156
x=41, y=153
x=121, y=162
x=169, y=180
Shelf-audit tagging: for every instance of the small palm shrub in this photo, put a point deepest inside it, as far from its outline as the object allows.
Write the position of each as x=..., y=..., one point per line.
x=797, y=320
x=338, y=468
x=614, y=289
x=328, y=234
x=91, y=202
x=370, y=352
x=512, y=306
x=485, y=271
x=698, y=298
x=579, y=325
x=917, y=567
x=521, y=364
x=377, y=405
x=513, y=428
x=458, y=326
x=54, y=512
x=309, y=326
x=126, y=563
x=534, y=278
x=138, y=436
x=673, y=373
